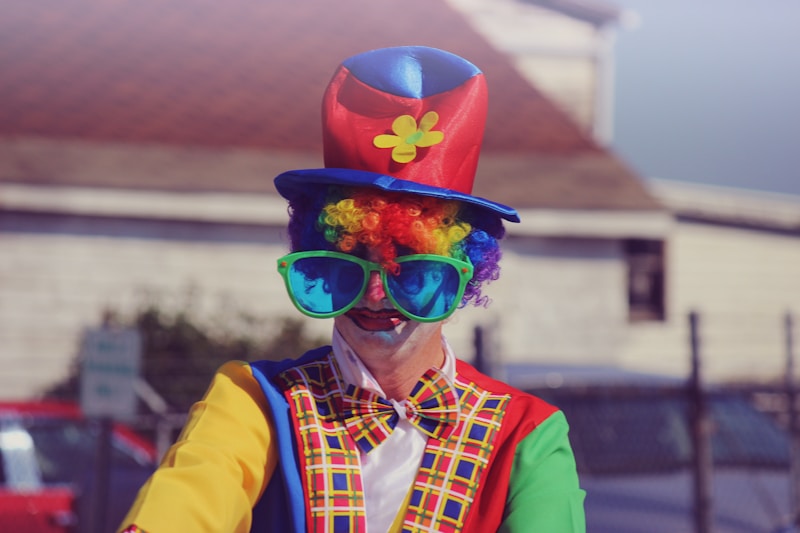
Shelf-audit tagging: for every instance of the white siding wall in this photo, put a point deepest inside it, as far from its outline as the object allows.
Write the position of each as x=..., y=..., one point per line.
x=741, y=282
x=559, y=301
x=52, y=286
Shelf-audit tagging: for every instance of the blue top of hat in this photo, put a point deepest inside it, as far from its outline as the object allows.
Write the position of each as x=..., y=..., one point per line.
x=399, y=71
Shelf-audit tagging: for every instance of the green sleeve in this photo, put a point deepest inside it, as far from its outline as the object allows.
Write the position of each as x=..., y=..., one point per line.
x=543, y=494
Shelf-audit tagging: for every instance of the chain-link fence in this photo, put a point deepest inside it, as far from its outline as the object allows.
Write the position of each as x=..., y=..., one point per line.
x=635, y=453
x=678, y=455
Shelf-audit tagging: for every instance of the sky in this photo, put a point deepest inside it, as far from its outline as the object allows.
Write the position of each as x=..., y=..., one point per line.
x=708, y=91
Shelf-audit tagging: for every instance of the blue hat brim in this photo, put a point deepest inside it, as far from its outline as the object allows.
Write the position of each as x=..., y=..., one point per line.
x=294, y=184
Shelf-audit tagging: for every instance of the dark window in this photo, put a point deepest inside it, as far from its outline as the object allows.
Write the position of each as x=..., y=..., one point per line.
x=645, y=260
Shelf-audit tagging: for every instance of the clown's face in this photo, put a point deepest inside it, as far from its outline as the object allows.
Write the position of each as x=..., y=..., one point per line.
x=377, y=331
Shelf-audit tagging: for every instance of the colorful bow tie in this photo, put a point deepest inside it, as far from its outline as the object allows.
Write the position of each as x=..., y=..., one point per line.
x=432, y=407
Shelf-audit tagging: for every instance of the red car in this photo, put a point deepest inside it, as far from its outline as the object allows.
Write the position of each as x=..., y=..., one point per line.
x=47, y=469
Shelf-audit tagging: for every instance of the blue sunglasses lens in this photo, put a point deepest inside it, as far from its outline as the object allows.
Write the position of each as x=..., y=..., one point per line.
x=425, y=288
x=325, y=285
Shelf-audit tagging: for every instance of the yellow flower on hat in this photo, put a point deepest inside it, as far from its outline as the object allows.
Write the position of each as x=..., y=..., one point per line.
x=408, y=136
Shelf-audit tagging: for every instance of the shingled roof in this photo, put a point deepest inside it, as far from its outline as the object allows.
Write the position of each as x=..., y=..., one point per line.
x=249, y=74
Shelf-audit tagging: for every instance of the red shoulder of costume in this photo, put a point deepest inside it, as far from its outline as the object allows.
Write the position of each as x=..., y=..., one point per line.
x=522, y=414
x=522, y=407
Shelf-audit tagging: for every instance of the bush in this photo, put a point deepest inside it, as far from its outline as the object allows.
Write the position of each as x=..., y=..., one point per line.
x=180, y=353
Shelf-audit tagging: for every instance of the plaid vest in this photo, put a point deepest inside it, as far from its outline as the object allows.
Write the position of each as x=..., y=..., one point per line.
x=461, y=481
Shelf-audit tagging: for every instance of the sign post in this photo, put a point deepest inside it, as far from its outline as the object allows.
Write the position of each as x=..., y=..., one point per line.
x=110, y=366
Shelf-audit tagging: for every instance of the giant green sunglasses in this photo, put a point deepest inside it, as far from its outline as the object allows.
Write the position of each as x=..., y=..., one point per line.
x=426, y=288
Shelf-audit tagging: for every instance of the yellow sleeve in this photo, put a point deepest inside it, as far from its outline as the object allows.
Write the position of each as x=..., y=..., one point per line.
x=212, y=476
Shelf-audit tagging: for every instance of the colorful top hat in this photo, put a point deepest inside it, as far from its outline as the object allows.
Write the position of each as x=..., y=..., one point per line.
x=406, y=119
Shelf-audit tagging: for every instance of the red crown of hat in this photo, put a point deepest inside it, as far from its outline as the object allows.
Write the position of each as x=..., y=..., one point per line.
x=407, y=119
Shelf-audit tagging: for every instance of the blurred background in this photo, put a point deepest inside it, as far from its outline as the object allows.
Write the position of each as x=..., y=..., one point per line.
x=650, y=291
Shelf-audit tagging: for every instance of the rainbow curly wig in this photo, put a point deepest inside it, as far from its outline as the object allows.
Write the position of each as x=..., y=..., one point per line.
x=353, y=220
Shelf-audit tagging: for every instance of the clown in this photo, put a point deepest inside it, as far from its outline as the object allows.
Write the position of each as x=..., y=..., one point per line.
x=385, y=429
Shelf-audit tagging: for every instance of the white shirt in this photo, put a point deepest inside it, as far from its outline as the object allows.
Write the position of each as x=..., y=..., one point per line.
x=389, y=470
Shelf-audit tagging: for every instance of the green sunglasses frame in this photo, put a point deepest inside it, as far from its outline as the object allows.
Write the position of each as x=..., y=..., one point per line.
x=464, y=268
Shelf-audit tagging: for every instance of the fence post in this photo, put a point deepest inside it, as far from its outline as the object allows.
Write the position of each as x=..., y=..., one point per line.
x=794, y=423
x=480, y=354
x=101, y=477
x=702, y=462
x=484, y=351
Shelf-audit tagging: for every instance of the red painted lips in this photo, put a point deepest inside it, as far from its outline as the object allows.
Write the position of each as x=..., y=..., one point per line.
x=382, y=320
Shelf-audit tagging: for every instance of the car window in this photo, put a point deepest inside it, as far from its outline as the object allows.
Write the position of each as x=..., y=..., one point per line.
x=65, y=449
x=743, y=436
x=20, y=466
x=624, y=434
x=629, y=431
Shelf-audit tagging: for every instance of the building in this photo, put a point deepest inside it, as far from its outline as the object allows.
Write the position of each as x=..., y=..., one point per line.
x=733, y=257
x=563, y=47
x=138, y=142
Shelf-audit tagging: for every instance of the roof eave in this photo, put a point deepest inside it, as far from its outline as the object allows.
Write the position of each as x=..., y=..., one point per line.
x=592, y=11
